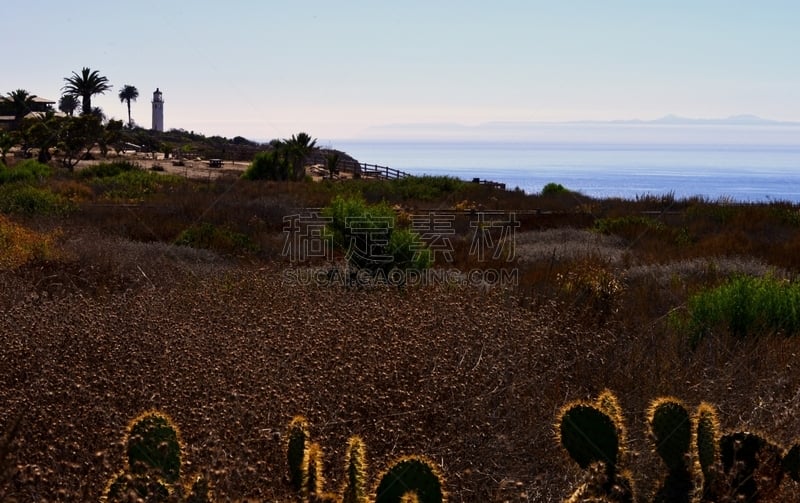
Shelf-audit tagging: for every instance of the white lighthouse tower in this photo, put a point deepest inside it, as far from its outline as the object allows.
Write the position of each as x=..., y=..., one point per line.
x=158, y=111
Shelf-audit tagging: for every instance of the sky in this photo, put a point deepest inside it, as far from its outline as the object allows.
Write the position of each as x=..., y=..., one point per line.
x=267, y=69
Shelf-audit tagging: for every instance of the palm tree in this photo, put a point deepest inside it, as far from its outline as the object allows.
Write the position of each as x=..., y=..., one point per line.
x=67, y=104
x=86, y=85
x=298, y=149
x=128, y=93
x=21, y=103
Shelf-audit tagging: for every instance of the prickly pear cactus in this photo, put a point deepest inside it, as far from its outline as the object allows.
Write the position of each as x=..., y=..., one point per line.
x=589, y=435
x=753, y=465
x=791, y=462
x=154, y=446
x=411, y=475
x=608, y=402
x=409, y=497
x=671, y=427
x=355, y=490
x=145, y=486
x=706, y=441
x=314, y=482
x=296, y=451
x=199, y=490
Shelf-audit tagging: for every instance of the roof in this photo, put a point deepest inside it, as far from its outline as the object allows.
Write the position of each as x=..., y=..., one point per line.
x=35, y=99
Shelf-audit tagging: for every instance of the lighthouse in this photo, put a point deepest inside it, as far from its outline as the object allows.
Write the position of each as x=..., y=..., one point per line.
x=158, y=111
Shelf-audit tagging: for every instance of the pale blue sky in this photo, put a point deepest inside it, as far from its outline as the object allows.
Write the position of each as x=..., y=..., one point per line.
x=267, y=69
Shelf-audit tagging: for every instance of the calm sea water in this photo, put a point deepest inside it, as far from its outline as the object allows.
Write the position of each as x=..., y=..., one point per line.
x=739, y=172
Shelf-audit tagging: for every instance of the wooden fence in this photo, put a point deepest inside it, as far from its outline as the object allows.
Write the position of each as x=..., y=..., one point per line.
x=386, y=173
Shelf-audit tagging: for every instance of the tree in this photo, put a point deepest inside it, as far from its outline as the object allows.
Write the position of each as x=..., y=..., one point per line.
x=128, y=94
x=76, y=136
x=21, y=104
x=332, y=162
x=86, y=85
x=7, y=142
x=68, y=104
x=112, y=134
x=297, y=149
x=41, y=134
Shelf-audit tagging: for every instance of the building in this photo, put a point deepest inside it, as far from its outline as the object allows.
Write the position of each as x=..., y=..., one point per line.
x=38, y=107
x=158, y=111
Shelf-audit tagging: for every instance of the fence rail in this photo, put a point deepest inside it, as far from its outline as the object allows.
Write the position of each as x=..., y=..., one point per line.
x=386, y=173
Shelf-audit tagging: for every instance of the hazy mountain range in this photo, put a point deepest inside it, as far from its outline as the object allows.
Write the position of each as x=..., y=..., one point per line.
x=748, y=129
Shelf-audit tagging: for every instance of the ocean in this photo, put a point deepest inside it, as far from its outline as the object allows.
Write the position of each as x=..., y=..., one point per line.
x=743, y=173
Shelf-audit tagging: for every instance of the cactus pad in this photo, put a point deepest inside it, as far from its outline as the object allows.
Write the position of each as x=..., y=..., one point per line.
x=410, y=475
x=356, y=472
x=671, y=426
x=296, y=451
x=589, y=435
x=153, y=445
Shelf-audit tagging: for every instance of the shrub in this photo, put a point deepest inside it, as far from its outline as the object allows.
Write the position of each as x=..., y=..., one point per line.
x=29, y=200
x=19, y=245
x=369, y=236
x=745, y=306
x=27, y=171
x=133, y=184
x=553, y=188
x=421, y=188
x=213, y=237
x=268, y=166
x=108, y=169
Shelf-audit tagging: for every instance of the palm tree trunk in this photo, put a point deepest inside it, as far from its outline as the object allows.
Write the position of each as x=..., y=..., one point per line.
x=130, y=124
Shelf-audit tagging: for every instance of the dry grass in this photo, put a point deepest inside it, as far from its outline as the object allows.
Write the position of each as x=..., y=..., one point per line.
x=123, y=321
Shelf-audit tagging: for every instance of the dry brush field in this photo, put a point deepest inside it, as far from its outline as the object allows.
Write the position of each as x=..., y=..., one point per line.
x=472, y=378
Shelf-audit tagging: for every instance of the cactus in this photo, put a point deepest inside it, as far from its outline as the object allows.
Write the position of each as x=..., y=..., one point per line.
x=125, y=487
x=791, y=463
x=356, y=472
x=409, y=497
x=752, y=465
x=411, y=474
x=153, y=468
x=671, y=427
x=608, y=402
x=314, y=481
x=589, y=435
x=154, y=445
x=296, y=451
x=599, y=488
x=592, y=434
x=706, y=440
x=199, y=490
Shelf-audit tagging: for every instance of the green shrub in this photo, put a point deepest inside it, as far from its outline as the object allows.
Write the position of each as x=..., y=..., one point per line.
x=419, y=188
x=268, y=166
x=627, y=226
x=370, y=238
x=745, y=306
x=214, y=237
x=26, y=199
x=108, y=169
x=133, y=184
x=553, y=188
x=27, y=171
